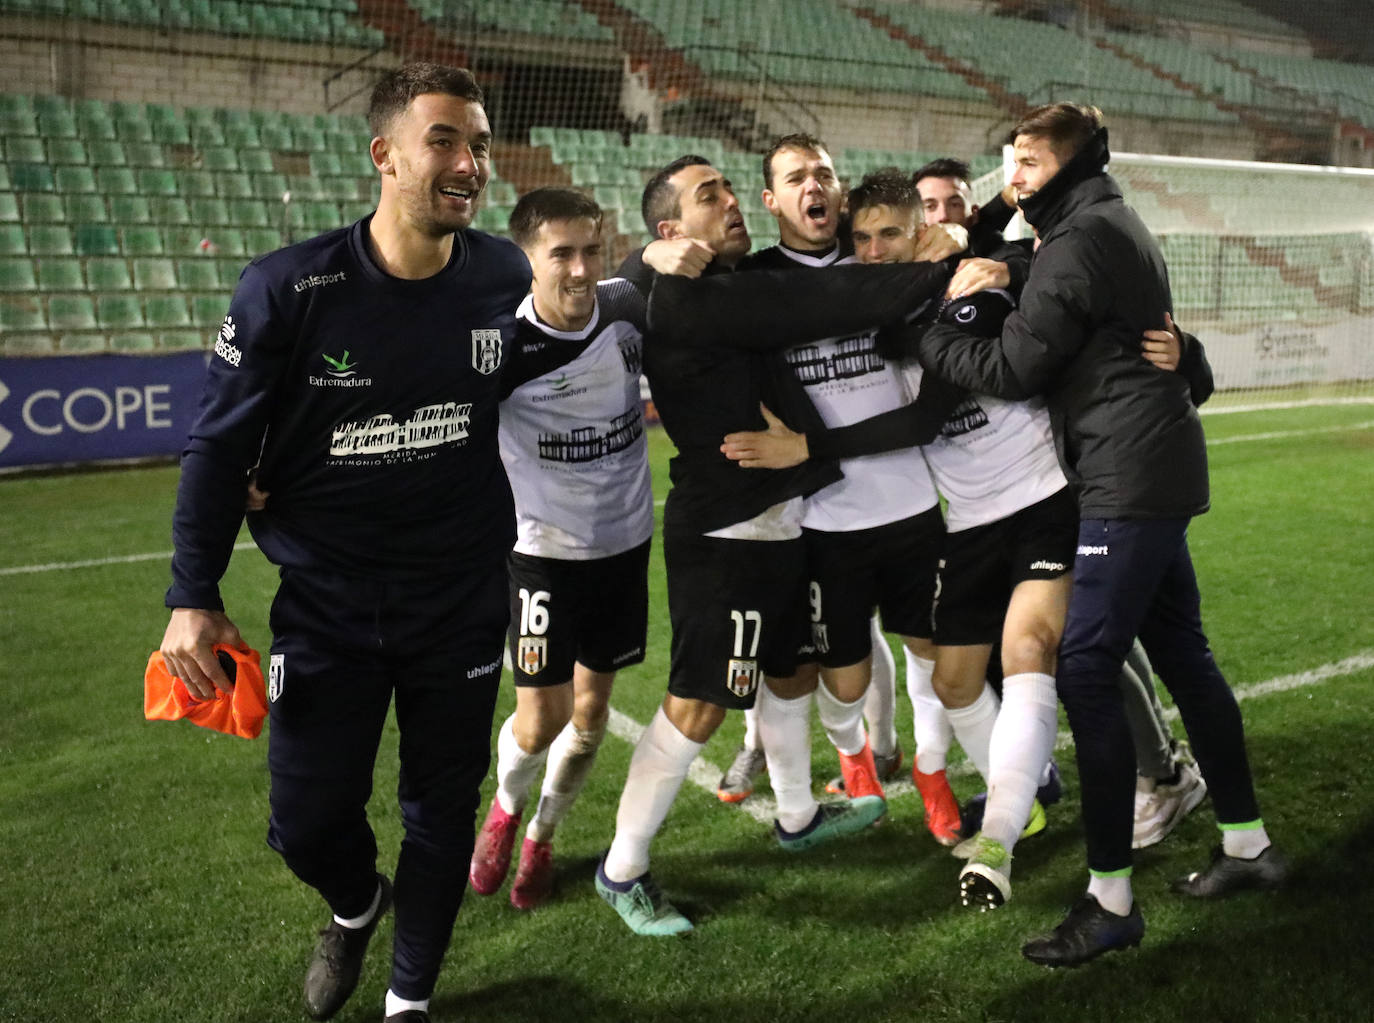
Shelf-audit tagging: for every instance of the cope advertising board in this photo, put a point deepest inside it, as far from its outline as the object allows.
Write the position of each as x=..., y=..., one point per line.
x=93, y=408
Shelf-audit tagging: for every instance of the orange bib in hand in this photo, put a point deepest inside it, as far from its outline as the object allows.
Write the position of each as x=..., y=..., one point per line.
x=240, y=712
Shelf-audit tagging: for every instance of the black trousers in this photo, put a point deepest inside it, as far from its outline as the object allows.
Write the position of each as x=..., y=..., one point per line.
x=1135, y=577
x=342, y=647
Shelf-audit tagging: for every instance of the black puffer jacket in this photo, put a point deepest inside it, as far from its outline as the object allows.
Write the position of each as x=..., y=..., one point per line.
x=1128, y=433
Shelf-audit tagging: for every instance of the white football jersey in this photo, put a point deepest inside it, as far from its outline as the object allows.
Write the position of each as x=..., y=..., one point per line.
x=992, y=458
x=572, y=432
x=847, y=382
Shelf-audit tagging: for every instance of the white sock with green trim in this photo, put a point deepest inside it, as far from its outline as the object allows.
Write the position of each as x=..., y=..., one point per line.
x=1244, y=841
x=1112, y=891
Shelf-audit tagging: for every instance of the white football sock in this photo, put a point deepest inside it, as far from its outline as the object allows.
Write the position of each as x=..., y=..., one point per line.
x=880, y=703
x=751, y=729
x=930, y=720
x=395, y=1004
x=357, y=922
x=1113, y=892
x=1022, y=740
x=515, y=769
x=1244, y=843
x=660, y=762
x=570, y=761
x=972, y=726
x=785, y=728
x=843, y=722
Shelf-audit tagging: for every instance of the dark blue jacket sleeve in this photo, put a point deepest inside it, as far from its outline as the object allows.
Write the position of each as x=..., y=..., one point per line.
x=251, y=352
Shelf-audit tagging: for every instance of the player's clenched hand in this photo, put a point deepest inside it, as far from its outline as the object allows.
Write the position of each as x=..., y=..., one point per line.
x=778, y=447
x=186, y=649
x=976, y=275
x=1164, y=348
x=680, y=257
x=935, y=242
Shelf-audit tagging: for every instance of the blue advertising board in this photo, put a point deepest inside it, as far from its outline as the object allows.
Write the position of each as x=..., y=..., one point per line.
x=89, y=408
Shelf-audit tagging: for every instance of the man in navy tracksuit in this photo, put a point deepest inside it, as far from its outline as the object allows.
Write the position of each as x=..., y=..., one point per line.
x=1129, y=436
x=359, y=371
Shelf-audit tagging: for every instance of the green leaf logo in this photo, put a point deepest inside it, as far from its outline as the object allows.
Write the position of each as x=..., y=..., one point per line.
x=340, y=367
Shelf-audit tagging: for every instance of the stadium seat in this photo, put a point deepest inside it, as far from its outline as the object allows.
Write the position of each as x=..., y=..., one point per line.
x=50, y=240
x=25, y=150
x=60, y=274
x=192, y=183
x=86, y=209
x=247, y=213
x=132, y=341
x=219, y=159
x=233, y=185
x=21, y=312
x=207, y=133
x=108, y=274
x=118, y=312
x=167, y=311
x=82, y=344
x=259, y=241
x=57, y=125
x=197, y=274
x=133, y=130
x=208, y=310
x=154, y=273
x=70, y=179
x=142, y=241
x=209, y=212
x=71, y=312
x=130, y=209
x=145, y=154
x=9, y=208
x=31, y=177
x=42, y=209
x=243, y=135
x=256, y=161
x=172, y=211
x=170, y=134
x=66, y=151
x=152, y=181
x=116, y=181
x=16, y=274
x=229, y=242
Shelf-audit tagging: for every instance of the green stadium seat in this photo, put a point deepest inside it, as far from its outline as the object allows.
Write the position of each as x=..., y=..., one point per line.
x=195, y=182
x=118, y=312
x=16, y=274
x=9, y=208
x=39, y=208
x=152, y=181
x=130, y=209
x=170, y=134
x=248, y=213
x=31, y=177
x=229, y=241
x=229, y=271
x=172, y=210
x=82, y=344
x=219, y=158
x=243, y=135
x=108, y=274
x=145, y=154
x=197, y=274
x=59, y=274
x=133, y=130
x=50, y=240
x=326, y=164
x=353, y=211
x=57, y=125
x=209, y=212
x=258, y=161
x=269, y=186
x=106, y=153
x=143, y=241
x=25, y=150
x=21, y=312
x=47, y=103
x=86, y=209
x=304, y=187
x=96, y=239
x=259, y=241
x=208, y=310
x=167, y=311
x=154, y=273
x=66, y=151
x=71, y=312
x=96, y=129
x=183, y=340
x=315, y=216
x=116, y=181
x=207, y=134
x=12, y=240
x=74, y=179
x=16, y=125
x=309, y=140
x=132, y=341
x=5, y=184
x=233, y=185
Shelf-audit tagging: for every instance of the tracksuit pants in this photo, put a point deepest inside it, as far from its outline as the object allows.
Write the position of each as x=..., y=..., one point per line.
x=1135, y=577
x=342, y=647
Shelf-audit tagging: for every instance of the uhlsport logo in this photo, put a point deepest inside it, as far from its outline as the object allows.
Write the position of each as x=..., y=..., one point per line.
x=318, y=280
x=486, y=351
x=223, y=343
x=1089, y=550
x=340, y=373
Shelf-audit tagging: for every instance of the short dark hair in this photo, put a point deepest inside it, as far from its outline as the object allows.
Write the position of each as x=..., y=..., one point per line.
x=944, y=167
x=397, y=88
x=661, y=200
x=796, y=140
x=886, y=186
x=1066, y=126
x=545, y=204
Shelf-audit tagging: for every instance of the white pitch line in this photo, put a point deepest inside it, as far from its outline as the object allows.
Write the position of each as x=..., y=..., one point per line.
x=124, y=559
x=1283, y=434
x=1213, y=410
x=763, y=809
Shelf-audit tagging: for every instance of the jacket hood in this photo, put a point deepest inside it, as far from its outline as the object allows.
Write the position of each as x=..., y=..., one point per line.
x=1048, y=206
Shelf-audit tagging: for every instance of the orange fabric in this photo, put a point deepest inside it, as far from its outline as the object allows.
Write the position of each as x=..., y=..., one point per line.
x=241, y=713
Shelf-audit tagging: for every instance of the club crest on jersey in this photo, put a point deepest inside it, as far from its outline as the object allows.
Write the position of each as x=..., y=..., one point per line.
x=742, y=677
x=533, y=653
x=630, y=353
x=486, y=351
x=276, y=677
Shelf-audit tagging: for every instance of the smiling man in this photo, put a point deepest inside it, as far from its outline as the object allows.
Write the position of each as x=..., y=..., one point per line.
x=362, y=398
x=572, y=439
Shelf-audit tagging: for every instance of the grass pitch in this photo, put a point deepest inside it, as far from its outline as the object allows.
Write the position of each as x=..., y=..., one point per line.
x=137, y=886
